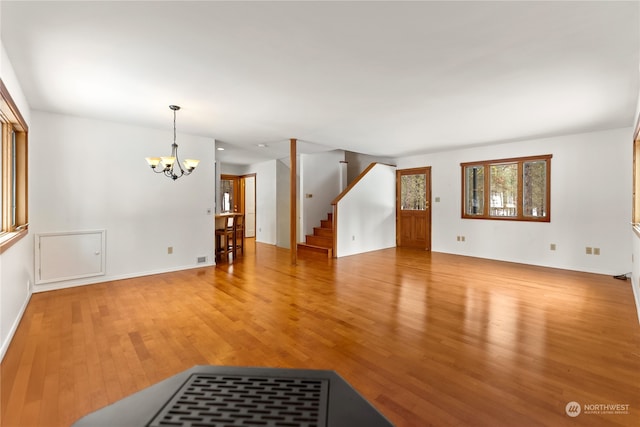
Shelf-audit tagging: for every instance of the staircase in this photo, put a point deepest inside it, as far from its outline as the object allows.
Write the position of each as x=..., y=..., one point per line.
x=321, y=241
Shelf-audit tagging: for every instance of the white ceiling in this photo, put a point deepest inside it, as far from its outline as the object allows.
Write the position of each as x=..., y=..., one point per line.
x=381, y=78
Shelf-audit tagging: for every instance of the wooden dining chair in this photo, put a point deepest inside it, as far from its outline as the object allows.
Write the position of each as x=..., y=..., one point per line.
x=239, y=234
x=225, y=237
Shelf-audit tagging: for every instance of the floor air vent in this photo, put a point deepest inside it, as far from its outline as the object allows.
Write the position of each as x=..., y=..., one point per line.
x=223, y=400
x=229, y=396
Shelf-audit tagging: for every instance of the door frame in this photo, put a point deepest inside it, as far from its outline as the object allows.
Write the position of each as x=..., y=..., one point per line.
x=239, y=193
x=244, y=198
x=411, y=171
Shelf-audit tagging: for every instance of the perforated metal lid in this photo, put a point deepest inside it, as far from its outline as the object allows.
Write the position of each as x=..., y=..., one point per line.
x=239, y=400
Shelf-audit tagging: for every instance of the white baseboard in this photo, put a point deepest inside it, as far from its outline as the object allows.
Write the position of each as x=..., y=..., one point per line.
x=101, y=279
x=14, y=328
x=636, y=295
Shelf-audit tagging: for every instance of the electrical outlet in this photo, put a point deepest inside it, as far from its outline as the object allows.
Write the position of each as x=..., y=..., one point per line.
x=589, y=250
x=437, y=199
x=353, y=237
x=458, y=238
x=170, y=250
x=596, y=251
x=462, y=238
x=552, y=247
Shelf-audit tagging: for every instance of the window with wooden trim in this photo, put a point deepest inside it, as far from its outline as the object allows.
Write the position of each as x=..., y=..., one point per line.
x=13, y=159
x=636, y=179
x=516, y=189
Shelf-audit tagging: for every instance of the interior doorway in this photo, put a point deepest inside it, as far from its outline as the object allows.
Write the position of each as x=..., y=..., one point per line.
x=238, y=194
x=413, y=208
x=230, y=194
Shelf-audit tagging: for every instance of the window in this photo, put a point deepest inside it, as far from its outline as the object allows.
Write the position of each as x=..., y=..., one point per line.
x=513, y=189
x=636, y=179
x=13, y=180
x=413, y=193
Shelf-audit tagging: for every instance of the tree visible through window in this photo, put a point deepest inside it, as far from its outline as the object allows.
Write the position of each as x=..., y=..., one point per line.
x=504, y=189
x=414, y=192
x=534, y=188
x=515, y=189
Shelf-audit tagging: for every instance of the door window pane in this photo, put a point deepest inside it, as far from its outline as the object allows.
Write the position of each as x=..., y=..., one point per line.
x=413, y=192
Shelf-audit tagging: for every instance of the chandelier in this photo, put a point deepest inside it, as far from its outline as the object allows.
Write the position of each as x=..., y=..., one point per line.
x=167, y=165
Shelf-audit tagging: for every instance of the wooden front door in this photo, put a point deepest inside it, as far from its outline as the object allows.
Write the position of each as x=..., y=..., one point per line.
x=413, y=208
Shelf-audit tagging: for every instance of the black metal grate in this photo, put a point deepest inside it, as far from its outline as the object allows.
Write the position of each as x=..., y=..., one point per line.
x=238, y=400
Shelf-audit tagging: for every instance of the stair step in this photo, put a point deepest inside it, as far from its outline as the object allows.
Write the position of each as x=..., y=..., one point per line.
x=324, y=241
x=321, y=242
x=305, y=247
x=319, y=231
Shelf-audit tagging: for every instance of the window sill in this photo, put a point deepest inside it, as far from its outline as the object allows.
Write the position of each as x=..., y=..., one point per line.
x=511, y=218
x=10, y=239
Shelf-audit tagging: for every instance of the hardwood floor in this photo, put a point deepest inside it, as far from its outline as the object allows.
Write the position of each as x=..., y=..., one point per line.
x=427, y=338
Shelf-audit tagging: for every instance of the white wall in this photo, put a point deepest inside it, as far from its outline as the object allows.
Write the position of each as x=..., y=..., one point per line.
x=16, y=263
x=367, y=213
x=265, y=200
x=231, y=169
x=358, y=162
x=591, y=178
x=89, y=174
x=320, y=178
